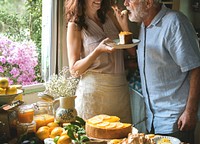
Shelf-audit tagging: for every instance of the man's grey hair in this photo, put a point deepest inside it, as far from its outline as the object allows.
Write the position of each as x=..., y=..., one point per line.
x=155, y=1
x=155, y=4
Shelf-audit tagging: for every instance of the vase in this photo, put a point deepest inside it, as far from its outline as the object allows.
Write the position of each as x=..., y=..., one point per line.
x=66, y=111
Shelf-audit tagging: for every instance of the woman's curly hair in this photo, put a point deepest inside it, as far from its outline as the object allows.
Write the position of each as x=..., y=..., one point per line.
x=75, y=12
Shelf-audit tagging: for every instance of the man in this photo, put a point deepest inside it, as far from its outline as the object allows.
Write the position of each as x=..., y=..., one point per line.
x=169, y=63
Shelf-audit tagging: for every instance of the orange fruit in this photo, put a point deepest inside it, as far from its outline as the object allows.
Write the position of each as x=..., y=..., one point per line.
x=57, y=131
x=52, y=125
x=64, y=139
x=43, y=132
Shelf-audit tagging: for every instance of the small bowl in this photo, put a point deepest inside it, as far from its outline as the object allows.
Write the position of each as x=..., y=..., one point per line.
x=7, y=99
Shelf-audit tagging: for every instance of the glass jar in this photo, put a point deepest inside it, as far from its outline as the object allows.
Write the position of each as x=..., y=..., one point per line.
x=44, y=113
x=24, y=128
x=42, y=107
x=25, y=113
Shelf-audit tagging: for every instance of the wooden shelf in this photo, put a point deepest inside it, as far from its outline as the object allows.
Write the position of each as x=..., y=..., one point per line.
x=173, y=4
x=167, y=3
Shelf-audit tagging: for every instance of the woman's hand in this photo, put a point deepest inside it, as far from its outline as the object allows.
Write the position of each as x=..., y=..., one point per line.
x=103, y=47
x=122, y=17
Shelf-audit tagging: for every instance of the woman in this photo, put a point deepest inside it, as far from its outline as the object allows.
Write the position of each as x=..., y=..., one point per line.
x=103, y=87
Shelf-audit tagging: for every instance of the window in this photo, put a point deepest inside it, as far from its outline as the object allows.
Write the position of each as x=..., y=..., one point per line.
x=51, y=51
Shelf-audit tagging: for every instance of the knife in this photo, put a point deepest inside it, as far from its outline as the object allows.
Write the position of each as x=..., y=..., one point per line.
x=144, y=119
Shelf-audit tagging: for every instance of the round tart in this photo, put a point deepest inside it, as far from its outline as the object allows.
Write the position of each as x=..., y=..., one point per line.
x=107, y=127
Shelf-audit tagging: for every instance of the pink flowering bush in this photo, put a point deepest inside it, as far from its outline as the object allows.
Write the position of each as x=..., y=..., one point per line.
x=17, y=61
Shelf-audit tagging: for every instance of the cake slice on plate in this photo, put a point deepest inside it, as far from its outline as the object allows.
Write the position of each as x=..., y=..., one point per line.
x=125, y=37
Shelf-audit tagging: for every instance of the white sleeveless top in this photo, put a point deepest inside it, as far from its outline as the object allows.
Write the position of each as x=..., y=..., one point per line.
x=106, y=62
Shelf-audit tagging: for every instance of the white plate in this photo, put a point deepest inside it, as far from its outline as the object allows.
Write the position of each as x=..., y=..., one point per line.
x=123, y=46
x=173, y=140
x=49, y=141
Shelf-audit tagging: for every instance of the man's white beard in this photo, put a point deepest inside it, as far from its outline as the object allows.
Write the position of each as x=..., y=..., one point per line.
x=135, y=18
x=138, y=14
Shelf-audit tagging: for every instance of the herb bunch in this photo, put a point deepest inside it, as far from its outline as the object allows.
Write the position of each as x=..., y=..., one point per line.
x=76, y=131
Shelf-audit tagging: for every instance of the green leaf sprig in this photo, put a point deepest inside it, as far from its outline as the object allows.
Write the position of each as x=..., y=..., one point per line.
x=76, y=131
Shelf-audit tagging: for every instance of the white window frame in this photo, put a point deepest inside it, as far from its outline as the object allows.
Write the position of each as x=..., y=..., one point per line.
x=49, y=44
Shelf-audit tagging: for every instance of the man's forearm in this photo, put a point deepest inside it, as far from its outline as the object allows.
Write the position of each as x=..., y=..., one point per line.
x=194, y=93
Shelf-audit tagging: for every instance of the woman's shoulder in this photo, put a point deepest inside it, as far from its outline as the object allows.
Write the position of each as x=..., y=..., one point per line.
x=72, y=26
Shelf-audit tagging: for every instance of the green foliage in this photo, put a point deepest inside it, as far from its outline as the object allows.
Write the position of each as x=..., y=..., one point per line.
x=12, y=6
x=22, y=20
x=13, y=27
x=34, y=8
x=29, y=138
x=76, y=131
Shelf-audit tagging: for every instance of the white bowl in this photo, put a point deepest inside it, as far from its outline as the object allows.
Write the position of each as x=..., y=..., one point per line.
x=49, y=141
x=173, y=140
x=7, y=99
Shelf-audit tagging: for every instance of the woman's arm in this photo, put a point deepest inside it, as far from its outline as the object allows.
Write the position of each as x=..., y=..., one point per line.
x=122, y=18
x=74, y=45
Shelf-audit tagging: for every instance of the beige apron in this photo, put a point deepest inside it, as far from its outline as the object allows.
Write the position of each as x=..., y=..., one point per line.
x=103, y=94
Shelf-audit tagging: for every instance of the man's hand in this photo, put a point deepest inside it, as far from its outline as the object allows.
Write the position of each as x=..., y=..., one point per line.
x=187, y=121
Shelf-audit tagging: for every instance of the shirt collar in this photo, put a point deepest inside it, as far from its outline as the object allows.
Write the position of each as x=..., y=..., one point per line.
x=158, y=17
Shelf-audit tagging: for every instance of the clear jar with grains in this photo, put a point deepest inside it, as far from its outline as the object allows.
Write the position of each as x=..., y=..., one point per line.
x=44, y=113
x=42, y=107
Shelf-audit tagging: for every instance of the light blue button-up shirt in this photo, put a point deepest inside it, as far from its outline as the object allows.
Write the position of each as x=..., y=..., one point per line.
x=168, y=50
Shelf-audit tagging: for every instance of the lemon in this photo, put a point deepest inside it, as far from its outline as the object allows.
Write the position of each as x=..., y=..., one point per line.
x=111, y=125
x=114, y=141
x=119, y=125
x=103, y=124
x=4, y=82
x=57, y=131
x=104, y=116
x=11, y=90
x=95, y=120
x=43, y=132
x=64, y=139
x=113, y=119
x=64, y=133
x=2, y=91
x=52, y=125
